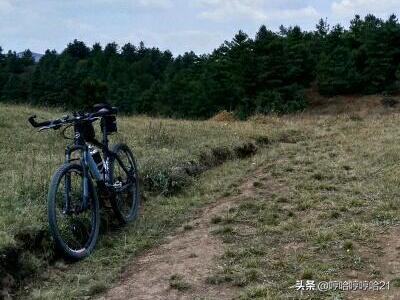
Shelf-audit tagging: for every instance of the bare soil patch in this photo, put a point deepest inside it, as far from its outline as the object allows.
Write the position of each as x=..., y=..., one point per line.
x=387, y=263
x=179, y=268
x=361, y=106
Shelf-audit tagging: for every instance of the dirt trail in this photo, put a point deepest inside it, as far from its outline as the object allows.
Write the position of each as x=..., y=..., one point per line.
x=190, y=254
x=388, y=265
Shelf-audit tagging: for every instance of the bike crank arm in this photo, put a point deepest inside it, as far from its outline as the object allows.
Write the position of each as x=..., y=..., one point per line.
x=122, y=188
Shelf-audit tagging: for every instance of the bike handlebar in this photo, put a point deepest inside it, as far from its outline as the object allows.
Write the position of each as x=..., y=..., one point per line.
x=37, y=124
x=77, y=117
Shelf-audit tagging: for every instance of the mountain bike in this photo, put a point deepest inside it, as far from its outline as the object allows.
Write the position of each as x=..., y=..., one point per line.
x=111, y=174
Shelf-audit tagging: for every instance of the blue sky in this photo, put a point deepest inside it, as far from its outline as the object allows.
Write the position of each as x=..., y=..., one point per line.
x=178, y=25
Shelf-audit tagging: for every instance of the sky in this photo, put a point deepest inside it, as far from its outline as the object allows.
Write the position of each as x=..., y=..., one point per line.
x=177, y=25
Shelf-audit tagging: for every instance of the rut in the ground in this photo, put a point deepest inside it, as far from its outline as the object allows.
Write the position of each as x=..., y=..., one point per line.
x=189, y=255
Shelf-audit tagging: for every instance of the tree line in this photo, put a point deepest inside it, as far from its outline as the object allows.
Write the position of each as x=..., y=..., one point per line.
x=267, y=73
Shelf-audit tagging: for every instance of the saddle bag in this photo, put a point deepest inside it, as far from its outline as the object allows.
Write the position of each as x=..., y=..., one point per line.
x=109, y=124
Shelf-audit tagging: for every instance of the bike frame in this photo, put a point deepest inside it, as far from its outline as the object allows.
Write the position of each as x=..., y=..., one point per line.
x=90, y=169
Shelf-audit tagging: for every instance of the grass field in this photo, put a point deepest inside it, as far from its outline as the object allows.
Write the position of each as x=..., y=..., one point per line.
x=322, y=210
x=325, y=193
x=170, y=154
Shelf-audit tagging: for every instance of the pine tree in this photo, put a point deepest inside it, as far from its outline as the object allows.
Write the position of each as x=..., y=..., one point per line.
x=77, y=49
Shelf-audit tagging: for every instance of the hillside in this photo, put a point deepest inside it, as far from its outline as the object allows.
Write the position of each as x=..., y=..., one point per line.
x=322, y=189
x=36, y=56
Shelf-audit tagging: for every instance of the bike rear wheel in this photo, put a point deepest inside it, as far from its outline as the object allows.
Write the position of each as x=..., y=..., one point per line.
x=74, y=228
x=124, y=176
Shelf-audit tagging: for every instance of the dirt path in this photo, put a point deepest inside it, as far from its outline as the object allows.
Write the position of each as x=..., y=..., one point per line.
x=388, y=265
x=178, y=269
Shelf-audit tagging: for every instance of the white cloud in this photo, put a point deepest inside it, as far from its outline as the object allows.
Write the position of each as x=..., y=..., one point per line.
x=351, y=7
x=257, y=10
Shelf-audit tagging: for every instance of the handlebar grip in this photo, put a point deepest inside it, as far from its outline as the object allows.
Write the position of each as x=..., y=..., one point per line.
x=37, y=124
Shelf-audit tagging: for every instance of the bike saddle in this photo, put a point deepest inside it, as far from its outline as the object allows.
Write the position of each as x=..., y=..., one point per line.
x=104, y=108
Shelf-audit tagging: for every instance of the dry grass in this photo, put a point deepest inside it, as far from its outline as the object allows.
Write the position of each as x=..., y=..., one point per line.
x=328, y=189
x=120, y=248
x=169, y=152
x=353, y=105
x=319, y=211
x=224, y=116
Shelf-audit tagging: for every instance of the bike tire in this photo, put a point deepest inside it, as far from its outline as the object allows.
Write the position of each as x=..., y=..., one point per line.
x=134, y=199
x=60, y=242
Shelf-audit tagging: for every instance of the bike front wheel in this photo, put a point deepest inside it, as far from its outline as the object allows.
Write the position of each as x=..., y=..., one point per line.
x=125, y=179
x=73, y=225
